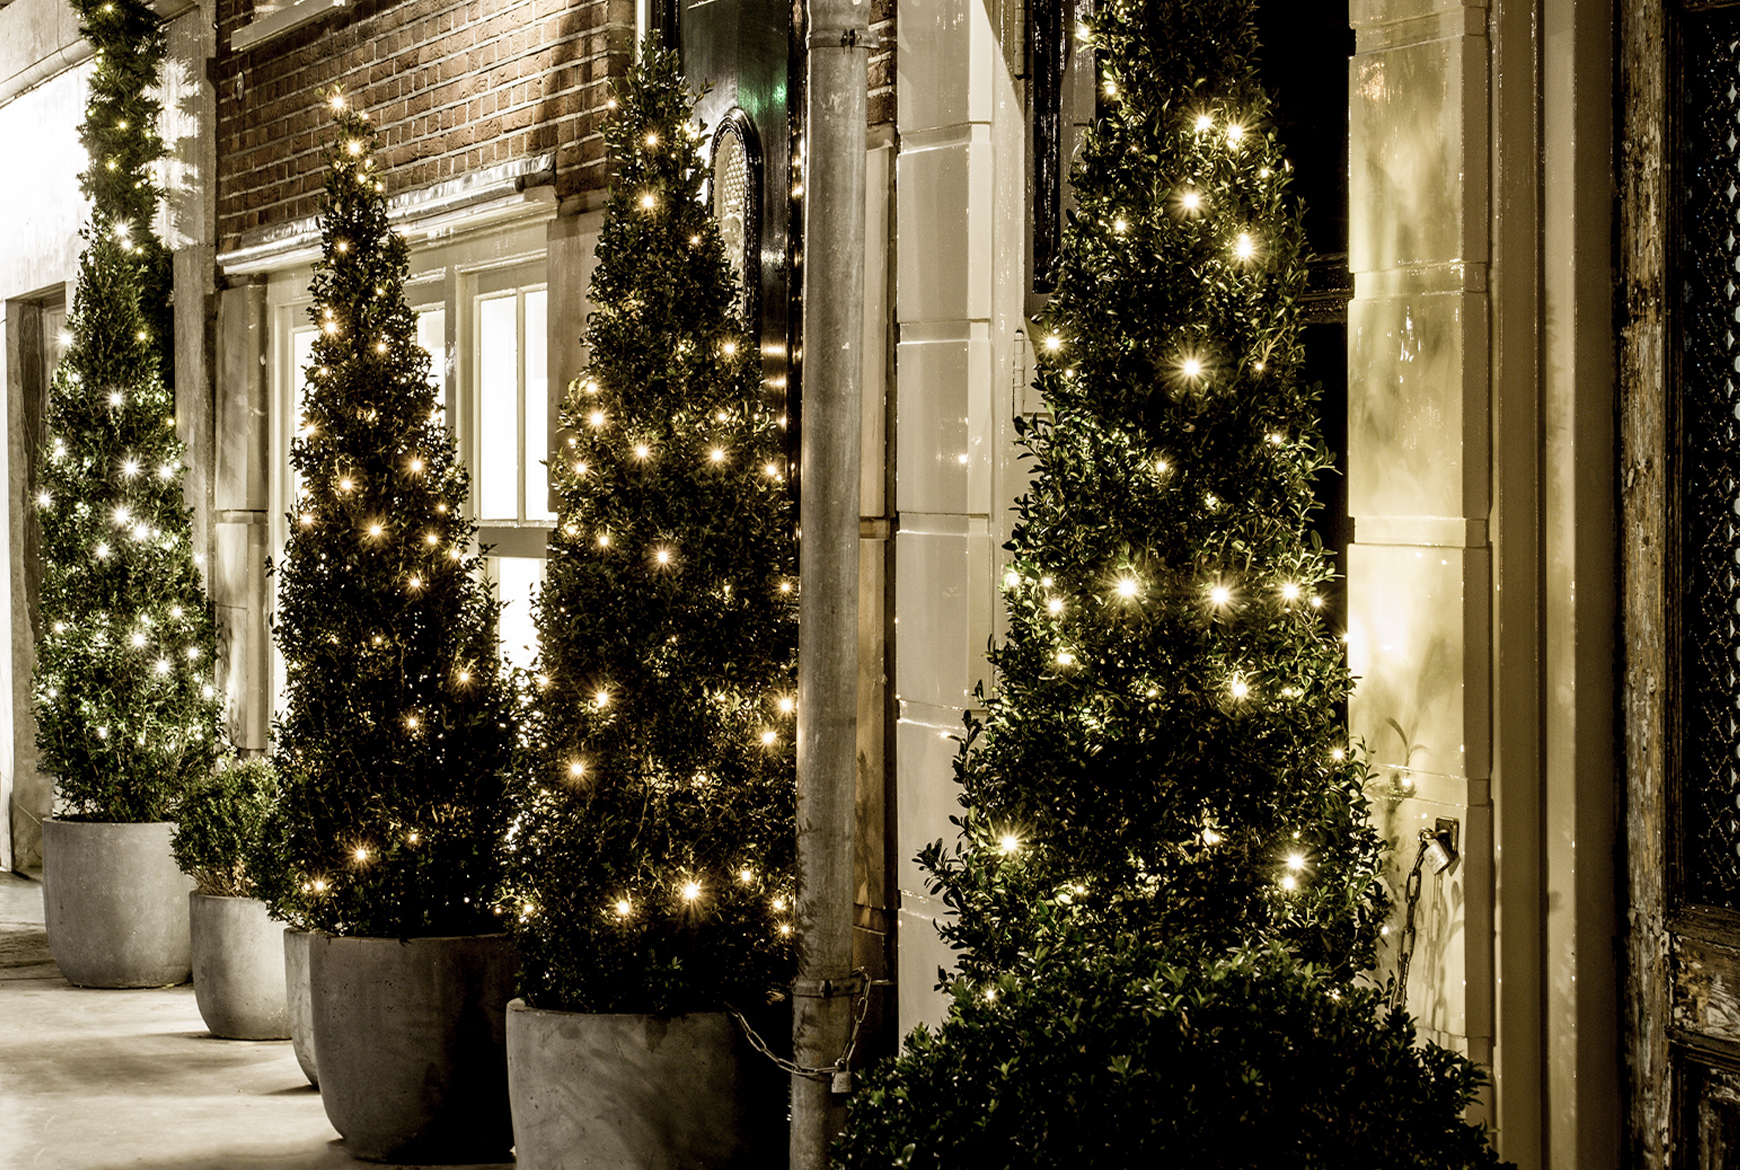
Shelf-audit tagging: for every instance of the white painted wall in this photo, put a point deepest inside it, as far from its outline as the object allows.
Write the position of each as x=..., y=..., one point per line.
x=43, y=209
x=41, y=203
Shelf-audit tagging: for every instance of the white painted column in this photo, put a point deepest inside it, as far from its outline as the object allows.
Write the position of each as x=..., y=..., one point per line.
x=1482, y=577
x=958, y=296
x=1419, y=416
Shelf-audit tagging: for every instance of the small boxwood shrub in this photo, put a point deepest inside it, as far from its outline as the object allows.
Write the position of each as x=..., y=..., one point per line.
x=1129, y=1057
x=218, y=839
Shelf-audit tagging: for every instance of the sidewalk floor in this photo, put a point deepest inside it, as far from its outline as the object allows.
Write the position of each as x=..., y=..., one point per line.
x=106, y=1080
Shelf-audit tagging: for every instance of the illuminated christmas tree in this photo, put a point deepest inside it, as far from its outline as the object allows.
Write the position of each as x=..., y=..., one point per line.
x=394, y=738
x=1166, y=881
x=125, y=709
x=651, y=868
x=1164, y=754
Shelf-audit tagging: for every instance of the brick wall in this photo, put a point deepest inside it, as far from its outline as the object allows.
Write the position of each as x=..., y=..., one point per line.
x=454, y=86
x=882, y=31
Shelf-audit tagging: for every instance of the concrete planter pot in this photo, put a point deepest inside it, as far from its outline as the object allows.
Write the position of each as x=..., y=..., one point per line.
x=238, y=968
x=115, y=904
x=301, y=1010
x=634, y=1092
x=411, y=1037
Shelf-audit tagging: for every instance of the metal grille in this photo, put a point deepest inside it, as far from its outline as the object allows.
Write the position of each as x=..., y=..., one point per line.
x=1710, y=778
x=731, y=208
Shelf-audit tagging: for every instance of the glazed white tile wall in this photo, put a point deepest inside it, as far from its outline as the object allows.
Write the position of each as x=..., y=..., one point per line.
x=946, y=53
x=1416, y=635
x=945, y=228
x=1417, y=118
x=943, y=420
x=1416, y=407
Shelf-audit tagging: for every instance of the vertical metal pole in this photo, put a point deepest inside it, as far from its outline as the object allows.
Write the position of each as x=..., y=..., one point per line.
x=829, y=458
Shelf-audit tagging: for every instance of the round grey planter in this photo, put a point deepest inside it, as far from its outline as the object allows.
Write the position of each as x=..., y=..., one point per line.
x=115, y=904
x=238, y=968
x=412, y=1047
x=634, y=1092
x=296, y=992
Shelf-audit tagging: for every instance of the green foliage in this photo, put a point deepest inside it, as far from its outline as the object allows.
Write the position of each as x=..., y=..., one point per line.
x=1126, y=1055
x=217, y=840
x=126, y=713
x=651, y=867
x=1164, y=754
x=393, y=743
x=1166, y=880
x=120, y=137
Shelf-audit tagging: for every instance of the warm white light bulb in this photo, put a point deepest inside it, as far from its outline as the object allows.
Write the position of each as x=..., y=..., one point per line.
x=1009, y=843
x=1126, y=587
x=1246, y=247
x=1239, y=688
x=691, y=891
x=1192, y=367
x=1065, y=658
x=641, y=451
x=768, y=738
x=576, y=769
x=601, y=699
x=1192, y=200
x=1220, y=595
x=648, y=202
x=1054, y=606
x=1290, y=591
x=717, y=455
x=1204, y=121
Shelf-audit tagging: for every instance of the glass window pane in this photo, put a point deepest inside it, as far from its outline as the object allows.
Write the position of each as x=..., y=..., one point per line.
x=432, y=339
x=498, y=437
x=517, y=579
x=537, y=408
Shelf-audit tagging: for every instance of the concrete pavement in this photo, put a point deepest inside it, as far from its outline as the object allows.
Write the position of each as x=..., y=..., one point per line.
x=131, y=1080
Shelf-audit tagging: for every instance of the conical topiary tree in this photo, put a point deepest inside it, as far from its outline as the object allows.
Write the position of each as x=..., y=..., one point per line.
x=125, y=709
x=393, y=743
x=1166, y=879
x=651, y=869
x=1164, y=754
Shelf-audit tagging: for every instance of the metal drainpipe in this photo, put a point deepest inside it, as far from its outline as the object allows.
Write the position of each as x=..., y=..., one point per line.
x=830, y=455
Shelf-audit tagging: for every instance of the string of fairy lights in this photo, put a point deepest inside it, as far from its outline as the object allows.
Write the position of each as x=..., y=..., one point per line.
x=1048, y=613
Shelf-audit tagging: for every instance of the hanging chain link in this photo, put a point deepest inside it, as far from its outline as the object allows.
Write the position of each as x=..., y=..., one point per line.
x=838, y=1074
x=1399, y=993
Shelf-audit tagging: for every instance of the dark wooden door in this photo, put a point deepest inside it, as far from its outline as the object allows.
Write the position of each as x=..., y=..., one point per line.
x=741, y=52
x=1679, y=329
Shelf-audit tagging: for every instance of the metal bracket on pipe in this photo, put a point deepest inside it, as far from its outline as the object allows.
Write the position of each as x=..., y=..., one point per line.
x=852, y=985
x=845, y=38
